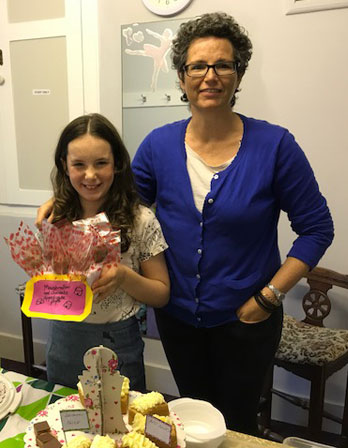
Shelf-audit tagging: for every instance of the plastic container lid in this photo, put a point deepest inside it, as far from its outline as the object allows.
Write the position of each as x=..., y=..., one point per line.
x=296, y=442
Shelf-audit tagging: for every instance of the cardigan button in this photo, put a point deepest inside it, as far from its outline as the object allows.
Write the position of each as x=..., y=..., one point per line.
x=210, y=200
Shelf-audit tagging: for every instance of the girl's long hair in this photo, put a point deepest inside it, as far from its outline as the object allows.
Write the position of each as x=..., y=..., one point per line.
x=122, y=199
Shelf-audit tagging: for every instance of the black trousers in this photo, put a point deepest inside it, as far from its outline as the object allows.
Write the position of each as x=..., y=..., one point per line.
x=224, y=365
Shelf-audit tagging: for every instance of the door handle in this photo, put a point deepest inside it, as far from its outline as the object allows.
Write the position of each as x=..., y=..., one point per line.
x=2, y=79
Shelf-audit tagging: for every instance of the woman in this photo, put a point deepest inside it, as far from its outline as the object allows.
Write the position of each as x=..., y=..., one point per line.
x=219, y=181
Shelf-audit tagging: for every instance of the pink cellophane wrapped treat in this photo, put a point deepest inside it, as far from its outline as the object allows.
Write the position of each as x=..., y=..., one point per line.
x=26, y=250
x=80, y=248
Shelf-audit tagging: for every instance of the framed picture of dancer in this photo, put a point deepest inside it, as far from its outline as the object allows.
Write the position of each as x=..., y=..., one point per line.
x=148, y=79
x=150, y=90
x=301, y=6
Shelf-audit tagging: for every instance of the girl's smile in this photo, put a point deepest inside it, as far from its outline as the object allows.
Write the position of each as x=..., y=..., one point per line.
x=91, y=169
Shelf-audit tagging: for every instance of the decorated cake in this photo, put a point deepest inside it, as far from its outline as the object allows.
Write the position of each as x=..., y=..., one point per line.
x=102, y=442
x=139, y=425
x=44, y=436
x=136, y=440
x=148, y=404
x=114, y=416
x=79, y=442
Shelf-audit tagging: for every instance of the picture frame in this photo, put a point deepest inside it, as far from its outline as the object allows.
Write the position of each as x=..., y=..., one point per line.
x=303, y=6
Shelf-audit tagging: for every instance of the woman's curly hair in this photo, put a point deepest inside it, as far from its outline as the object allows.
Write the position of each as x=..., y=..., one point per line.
x=122, y=199
x=217, y=24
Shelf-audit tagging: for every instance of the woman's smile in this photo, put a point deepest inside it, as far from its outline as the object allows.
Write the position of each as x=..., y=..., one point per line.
x=210, y=91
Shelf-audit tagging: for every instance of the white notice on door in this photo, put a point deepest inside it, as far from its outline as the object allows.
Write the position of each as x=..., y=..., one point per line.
x=41, y=91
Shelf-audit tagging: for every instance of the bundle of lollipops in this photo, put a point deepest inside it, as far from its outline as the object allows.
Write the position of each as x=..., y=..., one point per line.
x=79, y=248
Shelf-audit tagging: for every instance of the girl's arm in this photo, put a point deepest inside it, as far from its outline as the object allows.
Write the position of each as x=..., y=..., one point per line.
x=151, y=288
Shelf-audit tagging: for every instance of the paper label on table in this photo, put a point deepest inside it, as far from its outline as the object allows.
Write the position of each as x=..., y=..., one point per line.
x=59, y=297
x=157, y=429
x=74, y=420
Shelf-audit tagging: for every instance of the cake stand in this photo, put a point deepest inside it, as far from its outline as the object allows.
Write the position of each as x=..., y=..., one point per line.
x=9, y=397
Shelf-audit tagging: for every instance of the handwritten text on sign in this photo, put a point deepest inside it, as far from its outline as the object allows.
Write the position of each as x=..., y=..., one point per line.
x=58, y=297
x=158, y=429
x=74, y=420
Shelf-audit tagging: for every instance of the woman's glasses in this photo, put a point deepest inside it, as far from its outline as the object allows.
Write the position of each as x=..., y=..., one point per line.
x=199, y=70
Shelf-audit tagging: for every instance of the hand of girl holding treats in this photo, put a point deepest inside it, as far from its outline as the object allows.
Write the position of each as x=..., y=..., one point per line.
x=121, y=276
x=92, y=175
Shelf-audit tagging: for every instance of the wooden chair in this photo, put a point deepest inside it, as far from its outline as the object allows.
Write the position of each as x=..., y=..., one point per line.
x=31, y=369
x=310, y=350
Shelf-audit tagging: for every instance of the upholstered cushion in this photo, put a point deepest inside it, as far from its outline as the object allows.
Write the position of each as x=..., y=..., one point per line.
x=306, y=344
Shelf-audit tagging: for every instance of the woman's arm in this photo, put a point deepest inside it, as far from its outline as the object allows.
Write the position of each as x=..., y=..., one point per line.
x=284, y=279
x=151, y=288
x=43, y=212
x=297, y=193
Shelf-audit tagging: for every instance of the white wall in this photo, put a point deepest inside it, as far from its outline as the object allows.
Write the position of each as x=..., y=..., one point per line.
x=297, y=78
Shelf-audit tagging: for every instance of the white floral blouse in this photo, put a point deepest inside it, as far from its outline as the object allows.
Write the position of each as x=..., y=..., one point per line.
x=147, y=241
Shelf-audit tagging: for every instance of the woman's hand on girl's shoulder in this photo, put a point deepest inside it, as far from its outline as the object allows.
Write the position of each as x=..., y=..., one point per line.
x=43, y=212
x=111, y=278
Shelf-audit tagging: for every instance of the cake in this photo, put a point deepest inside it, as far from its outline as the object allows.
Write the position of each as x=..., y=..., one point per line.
x=139, y=423
x=148, y=404
x=102, y=442
x=41, y=427
x=107, y=402
x=47, y=440
x=44, y=437
x=79, y=442
x=136, y=440
x=48, y=433
x=81, y=394
x=125, y=395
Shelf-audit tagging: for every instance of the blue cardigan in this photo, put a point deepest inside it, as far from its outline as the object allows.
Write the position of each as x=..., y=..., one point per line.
x=218, y=258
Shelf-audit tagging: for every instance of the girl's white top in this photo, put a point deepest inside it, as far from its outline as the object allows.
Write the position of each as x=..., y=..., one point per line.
x=147, y=241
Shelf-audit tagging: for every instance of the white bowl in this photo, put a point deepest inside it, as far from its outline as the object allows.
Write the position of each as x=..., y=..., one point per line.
x=204, y=425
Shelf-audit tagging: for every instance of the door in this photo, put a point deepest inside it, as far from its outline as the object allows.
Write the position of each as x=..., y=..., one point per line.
x=41, y=90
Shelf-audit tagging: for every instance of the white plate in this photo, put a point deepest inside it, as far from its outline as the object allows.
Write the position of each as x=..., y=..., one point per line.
x=52, y=416
x=9, y=397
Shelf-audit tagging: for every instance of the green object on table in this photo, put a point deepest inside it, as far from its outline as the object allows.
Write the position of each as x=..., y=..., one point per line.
x=13, y=442
x=30, y=411
x=36, y=396
x=65, y=391
x=41, y=384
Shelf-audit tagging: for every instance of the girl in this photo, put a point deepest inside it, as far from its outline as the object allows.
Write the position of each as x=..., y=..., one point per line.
x=92, y=174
